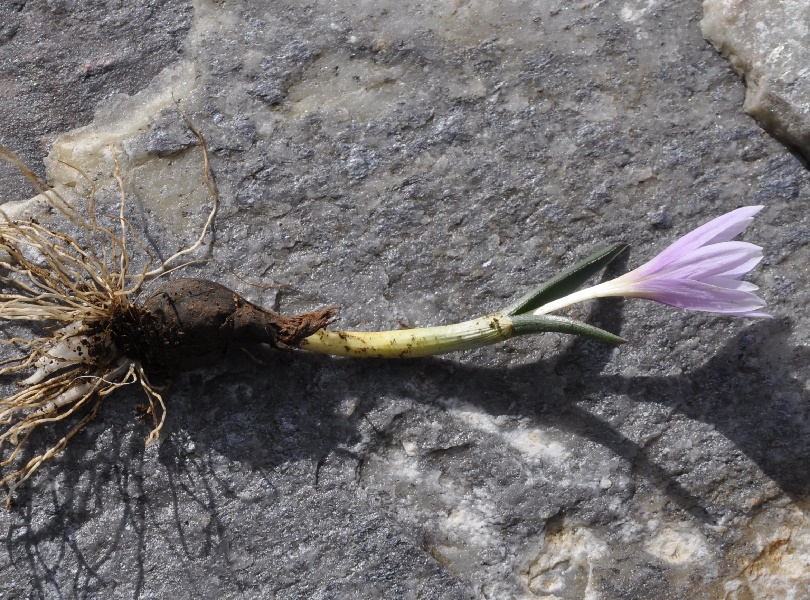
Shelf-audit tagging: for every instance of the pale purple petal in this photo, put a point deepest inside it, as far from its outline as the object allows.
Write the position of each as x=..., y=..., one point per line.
x=721, y=229
x=700, y=271
x=734, y=229
x=697, y=295
x=714, y=260
x=744, y=268
x=731, y=283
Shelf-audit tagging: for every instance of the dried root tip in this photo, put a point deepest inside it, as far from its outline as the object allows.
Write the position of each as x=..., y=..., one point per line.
x=60, y=398
x=154, y=397
x=253, y=324
x=18, y=477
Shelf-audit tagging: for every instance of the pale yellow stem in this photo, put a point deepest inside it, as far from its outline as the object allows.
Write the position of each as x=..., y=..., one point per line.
x=412, y=343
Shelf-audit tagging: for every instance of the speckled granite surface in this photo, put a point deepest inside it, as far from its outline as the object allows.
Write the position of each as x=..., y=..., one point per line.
x=424, y=163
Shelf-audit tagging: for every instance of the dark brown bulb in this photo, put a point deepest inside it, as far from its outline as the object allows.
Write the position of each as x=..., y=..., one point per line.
x=191, y=323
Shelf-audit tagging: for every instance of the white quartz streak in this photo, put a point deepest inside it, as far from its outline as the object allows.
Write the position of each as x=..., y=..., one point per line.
x=768, y=44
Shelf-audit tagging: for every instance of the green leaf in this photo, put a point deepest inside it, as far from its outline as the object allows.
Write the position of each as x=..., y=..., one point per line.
x=528, y=324
x=566, y=282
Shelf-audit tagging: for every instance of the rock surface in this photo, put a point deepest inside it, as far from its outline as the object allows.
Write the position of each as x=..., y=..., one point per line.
x=423, y=163
x=767, y=43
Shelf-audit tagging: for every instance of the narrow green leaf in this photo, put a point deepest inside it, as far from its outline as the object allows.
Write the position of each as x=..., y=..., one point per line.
x=566, y=282
x=528, y=324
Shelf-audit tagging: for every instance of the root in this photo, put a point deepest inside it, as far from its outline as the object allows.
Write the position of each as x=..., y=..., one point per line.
x=75, y=286
x=17, y=478
x=210, y=183
x=153, y=396
x=101, y=338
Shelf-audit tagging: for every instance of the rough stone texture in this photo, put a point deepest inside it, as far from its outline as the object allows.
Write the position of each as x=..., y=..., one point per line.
x=768, y=44
x=59, y=58
x=422, y=163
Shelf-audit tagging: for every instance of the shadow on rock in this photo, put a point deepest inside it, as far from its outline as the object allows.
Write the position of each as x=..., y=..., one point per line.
x=232, y=430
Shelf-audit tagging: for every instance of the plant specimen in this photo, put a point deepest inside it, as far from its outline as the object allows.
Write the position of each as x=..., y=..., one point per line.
x=86, y=293
x=96, y=335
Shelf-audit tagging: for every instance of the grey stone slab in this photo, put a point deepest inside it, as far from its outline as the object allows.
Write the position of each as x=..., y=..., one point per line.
x=59, y=58
x=767, y=43
x=425, y=163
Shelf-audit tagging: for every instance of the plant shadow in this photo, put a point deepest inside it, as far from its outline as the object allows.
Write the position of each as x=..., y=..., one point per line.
x=241, y=419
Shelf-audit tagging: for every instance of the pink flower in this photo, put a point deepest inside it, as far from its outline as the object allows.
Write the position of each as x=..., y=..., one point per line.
x=700, y=271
